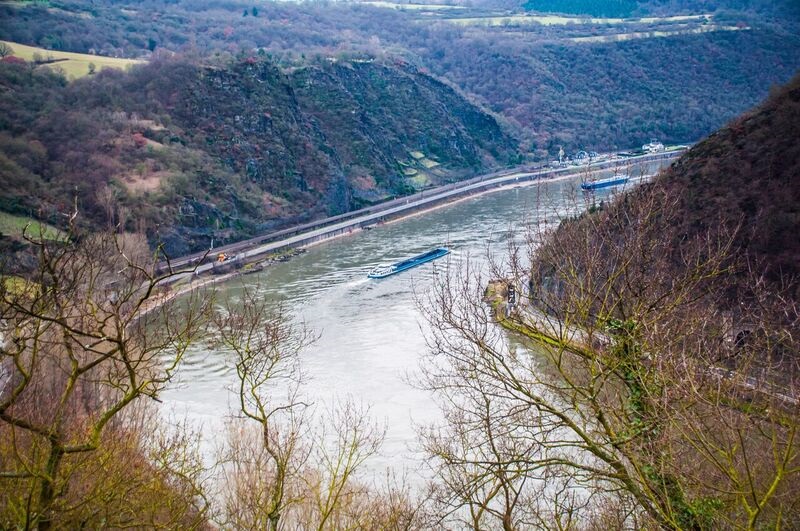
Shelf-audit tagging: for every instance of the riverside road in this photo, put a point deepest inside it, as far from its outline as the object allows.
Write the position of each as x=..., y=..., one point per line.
x=303, y=235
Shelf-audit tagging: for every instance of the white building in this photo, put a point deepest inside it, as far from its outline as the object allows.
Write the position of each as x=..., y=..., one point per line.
x=653, y=147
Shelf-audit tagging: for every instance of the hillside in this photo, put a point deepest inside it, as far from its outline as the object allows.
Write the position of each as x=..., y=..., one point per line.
x=747, y=175
x=613, y=95
x=738, y=187
x=189, y=152
x=562, y=81
x=627, y=8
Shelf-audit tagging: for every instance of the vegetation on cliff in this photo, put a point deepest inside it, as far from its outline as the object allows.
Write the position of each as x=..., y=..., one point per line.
x=190, y=153
x=745, y=177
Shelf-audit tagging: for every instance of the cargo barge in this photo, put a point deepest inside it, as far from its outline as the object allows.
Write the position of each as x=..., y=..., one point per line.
x=385, y=271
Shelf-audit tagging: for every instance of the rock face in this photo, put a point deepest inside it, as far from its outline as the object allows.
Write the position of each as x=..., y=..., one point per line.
x=329, y=138
x=196, y=152
x=342, y=133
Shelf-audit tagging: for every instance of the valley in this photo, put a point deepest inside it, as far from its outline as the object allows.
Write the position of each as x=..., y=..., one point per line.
x=486, y=264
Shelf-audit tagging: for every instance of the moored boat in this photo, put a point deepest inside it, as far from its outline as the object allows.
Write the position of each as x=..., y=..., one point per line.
x=605, y=183
x=397, y=267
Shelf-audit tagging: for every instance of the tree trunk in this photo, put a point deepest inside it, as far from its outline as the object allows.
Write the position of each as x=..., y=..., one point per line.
x=47, y=494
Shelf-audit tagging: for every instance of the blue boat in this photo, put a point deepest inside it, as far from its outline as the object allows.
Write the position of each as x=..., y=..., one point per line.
x=385, y=271
x=605, y=183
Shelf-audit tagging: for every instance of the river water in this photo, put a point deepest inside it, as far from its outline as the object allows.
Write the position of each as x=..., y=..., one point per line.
x=370, y=332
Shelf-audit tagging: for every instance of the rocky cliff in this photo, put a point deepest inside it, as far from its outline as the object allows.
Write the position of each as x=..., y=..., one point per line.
x=189, y=152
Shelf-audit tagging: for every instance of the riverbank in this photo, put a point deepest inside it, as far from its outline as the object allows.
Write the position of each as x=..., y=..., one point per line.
x=254, y=251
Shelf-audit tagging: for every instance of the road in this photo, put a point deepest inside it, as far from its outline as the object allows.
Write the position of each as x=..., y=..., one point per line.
x=337, y=225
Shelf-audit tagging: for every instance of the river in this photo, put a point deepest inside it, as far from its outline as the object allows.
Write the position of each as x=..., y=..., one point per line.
x=370, y=336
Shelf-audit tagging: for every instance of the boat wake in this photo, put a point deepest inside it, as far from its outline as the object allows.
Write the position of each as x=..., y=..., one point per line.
x=355, y=283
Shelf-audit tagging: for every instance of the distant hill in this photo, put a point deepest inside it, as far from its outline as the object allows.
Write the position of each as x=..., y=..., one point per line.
x=597, y=8
x=627, y=8
x=572, y=82
x=192, y=153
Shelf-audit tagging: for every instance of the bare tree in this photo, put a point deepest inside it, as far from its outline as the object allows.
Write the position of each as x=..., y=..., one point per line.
x=5, y=49
x=612, y=399
x=342, y=445
x=262, y=473
x=77, y=354
x=283, y=466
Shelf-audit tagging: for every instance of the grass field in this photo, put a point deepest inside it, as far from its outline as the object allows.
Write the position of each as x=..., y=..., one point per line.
x=419, y=181
x=75, y=65
x=558, y=20
x=20, y=286
x=618, y=37
x=420, y=7
x=11, y=225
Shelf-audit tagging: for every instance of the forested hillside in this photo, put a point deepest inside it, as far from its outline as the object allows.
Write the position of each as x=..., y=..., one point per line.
x=745, y=178
x=597, y=84
x=627, y=8
x=190, y=153
x=737, y=189
x=614, y=95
